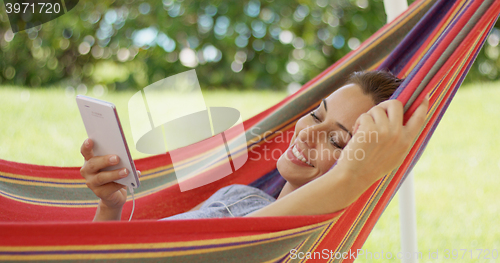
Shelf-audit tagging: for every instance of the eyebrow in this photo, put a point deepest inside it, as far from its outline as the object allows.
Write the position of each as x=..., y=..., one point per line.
x=344, y=128
x=324, y=104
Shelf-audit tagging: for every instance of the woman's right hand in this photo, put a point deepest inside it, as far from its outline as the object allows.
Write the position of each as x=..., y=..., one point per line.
x=112, y=195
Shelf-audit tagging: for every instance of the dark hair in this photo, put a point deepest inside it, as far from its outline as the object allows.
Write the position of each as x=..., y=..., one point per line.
x=380, y=84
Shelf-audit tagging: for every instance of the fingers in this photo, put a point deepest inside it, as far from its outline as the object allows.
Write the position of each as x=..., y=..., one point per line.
x=394, y=109
x=387, y=118
x=105, y=177
x=96, y=163
x=86, y=149
x=364, y=119
x=379, y=115
x=417, y=120
x=387, y=112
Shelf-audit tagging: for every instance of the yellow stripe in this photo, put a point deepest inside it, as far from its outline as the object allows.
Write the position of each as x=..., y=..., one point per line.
x=36, y=201
x=33, y=178
x=323, y=235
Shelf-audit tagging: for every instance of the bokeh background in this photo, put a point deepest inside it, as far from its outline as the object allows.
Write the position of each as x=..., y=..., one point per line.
x=241, y=45
x=248, y=55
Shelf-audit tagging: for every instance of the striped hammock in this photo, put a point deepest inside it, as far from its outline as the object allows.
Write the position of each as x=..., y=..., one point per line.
x=45, y=212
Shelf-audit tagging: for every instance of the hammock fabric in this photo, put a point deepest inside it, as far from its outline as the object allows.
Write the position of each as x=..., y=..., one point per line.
x=45, y=212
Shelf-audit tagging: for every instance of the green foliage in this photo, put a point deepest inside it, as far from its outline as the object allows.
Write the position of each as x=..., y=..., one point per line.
x=232, y=44
x=254, y=44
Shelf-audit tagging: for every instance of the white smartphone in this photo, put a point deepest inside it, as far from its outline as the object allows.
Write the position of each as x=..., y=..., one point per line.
x=103, y=127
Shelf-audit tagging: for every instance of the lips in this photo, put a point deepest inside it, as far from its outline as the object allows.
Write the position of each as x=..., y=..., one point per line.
x=295, y=156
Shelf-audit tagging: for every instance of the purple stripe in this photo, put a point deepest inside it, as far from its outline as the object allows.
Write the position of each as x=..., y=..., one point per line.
x=271, y=183
x=403, y=53
x=431, y=51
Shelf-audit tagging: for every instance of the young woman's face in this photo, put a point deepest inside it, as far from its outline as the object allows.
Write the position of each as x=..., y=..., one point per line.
x=320, y=136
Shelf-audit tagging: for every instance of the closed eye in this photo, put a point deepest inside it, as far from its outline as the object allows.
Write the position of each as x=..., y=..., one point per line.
x=332, y=139
x=314, y=116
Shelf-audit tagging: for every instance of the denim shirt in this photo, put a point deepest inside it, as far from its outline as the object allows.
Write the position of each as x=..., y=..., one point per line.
x=230, y=201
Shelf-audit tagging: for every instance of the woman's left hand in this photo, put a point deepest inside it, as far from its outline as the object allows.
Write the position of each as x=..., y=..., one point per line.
x=380, y=140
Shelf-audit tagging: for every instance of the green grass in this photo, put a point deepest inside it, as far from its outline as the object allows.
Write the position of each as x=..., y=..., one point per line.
x=456, y=180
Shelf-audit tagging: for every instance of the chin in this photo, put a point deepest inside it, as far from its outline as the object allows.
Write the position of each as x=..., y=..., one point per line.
x=294, y=174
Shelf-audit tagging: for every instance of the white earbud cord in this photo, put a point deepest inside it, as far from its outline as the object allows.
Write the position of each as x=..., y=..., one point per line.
x=227, y=206
x=131, y=190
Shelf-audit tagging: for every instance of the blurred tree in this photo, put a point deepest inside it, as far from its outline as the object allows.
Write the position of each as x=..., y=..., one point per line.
x=267, y=44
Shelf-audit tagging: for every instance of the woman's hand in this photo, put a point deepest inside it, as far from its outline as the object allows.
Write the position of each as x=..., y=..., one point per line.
x=112, y=195
x=380, y=140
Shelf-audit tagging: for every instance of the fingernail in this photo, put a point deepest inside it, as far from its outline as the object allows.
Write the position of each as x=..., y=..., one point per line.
x=87, y=143
x=123, y=172
x=113, y=159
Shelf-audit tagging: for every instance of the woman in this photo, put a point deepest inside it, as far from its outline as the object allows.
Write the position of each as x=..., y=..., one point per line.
x=355, y=127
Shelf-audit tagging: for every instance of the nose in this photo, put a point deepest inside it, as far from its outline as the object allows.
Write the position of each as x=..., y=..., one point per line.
x=311, y=135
